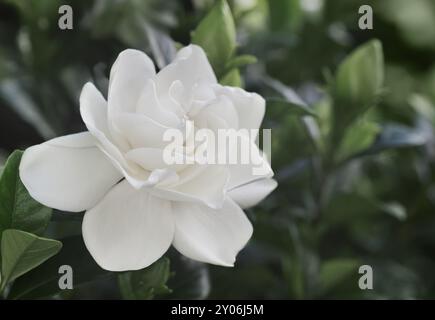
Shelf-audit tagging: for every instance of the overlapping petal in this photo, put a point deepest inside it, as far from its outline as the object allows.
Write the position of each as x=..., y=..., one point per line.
x=251, y=165
x=128, y=229
x=250, y=194
x=190, y=67
x=200, y=184
x=93, y=109
x=68, y=173
x=208, y=235
x=250, y=107
x=128, y=76
x=150, y=106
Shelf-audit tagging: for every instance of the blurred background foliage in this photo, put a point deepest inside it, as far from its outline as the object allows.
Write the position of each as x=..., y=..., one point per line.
x=356, y=186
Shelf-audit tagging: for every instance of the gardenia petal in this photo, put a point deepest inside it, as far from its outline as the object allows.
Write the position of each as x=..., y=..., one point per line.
x=221, y=108
x=150, y=106
x=129, y=229
x=212, y=236
x=250, y=194
x=190, y=66
x=210, y=121
x=93, y=109
x=201, y=184
x=250, y=107
x=140, y=131
x=257, y=167
x=151, y=159
x=128, y=77
x=68, y=173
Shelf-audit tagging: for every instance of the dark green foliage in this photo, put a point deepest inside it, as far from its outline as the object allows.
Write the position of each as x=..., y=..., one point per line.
x=352, y=114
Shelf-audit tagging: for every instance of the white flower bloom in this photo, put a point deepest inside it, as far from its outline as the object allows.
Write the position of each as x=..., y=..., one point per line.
x=136, y=205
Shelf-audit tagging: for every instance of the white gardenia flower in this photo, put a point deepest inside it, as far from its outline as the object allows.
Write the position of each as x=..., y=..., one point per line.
x=137, y=205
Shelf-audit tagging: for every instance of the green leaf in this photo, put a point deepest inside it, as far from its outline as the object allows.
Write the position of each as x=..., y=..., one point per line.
x=291, y=98
x=287, y=92
x=147, y=283
x=241, y=61
x=232, y=78
x=216, y=34
x=18, y=210
x=357, y=137
x=358, y=83
x=22, y=251
x=335, y=271
x=42, y=282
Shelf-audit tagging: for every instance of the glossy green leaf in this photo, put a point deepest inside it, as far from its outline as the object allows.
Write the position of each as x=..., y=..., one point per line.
x=232, y=78
x=147, y=283
x=290, y=97
x=357, y=137
x=18, y=210
x=42, y=282
x=287, y=92
x=241, y=61
x=22, y=251
x=216, y=34
x=358, y=83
